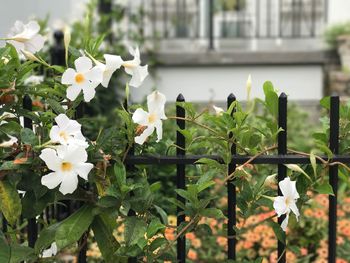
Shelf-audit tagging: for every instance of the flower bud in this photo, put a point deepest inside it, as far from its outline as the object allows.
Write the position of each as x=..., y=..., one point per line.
x=271, y=181
x=249, y=86
x=30, y=56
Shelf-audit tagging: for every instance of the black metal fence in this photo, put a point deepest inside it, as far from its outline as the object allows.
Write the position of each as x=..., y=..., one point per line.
x=181, y=160
x=211, y=20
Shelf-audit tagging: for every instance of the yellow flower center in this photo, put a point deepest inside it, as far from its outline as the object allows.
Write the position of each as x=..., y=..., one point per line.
x=66, y=166
x=79, y=78
x=63, y=135
x=129, y=65
x=288, y=201
x=152, y=118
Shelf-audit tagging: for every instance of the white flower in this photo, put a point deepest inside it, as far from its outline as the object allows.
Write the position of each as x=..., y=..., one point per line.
x=34, y=80
x=9, y=143
x=50, y=252
x=66, y=163
x=67, y=132
x=218, y=111
x=134, y=68
x=287, y=203
x=85, y=78
x=151, y=119
x=112, y=64
x=26, y=37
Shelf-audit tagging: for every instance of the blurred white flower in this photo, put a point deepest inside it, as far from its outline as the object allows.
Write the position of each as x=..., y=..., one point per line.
x=113, y=63
x=152, y=119
x=67, y=132
x=133, y=67
x=218, y=111
x=287, y=203
x=33, y=80
x=66, y=163
x=26, y=37
x=5, y=60
x=249, y=86
x=85, y=78
x=50, y=252
x=9, y=143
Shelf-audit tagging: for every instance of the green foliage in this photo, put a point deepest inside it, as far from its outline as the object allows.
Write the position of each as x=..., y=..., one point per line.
x=334, y=31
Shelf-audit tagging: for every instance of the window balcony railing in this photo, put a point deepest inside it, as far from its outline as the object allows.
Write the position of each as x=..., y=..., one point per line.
x=212, y=20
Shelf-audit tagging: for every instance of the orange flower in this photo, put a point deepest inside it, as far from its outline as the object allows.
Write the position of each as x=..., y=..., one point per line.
x=192, y=254
x=303, y=251
x=273, y=257
x=169, y=233
x=190, y=236
x=322, y=252
x=222, y=241
x=290, y=257
x=196, y=243
x=340, y=260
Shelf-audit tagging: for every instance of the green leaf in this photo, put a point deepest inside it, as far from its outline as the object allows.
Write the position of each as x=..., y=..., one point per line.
x=21, y=253
x=46, y=237
x=326, y=102
x=324, y=188
x=135, y=229
x=280, y=234
x=212, y=213
x=271, y=100
x=154, y=227
x=296, y=168
x=28, y=137
x=56, y=106
x=205, y=185
x=268, y=87
x=5, y=249
x=10, y=202
x=73, y=227
x=120, y=174
x=313, y=163
x=103, y=234
x=162, y=214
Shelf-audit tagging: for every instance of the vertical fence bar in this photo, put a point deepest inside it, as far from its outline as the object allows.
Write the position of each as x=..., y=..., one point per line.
x=32, y=226
x=180, y=176
x=282, y=169
x=231, y=194
x=211, y=25
x=333, y=179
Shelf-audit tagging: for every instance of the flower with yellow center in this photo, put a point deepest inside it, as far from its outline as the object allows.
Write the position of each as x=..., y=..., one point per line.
x=67, y=132
x=84, y=78
x=152, y=119
x=287, y=202
x=26, y=37
x=66, y=164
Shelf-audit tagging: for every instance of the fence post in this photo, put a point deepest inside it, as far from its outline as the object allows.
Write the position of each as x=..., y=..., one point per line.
x=333, y=179
x=180, y=176
x=211, y=25
x=231, y=193
x=282, y=169
x=32, y=225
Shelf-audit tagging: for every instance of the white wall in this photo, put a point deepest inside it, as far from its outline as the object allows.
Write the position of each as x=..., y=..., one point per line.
x=12, y=10
x=338, y=11
x=201, y=84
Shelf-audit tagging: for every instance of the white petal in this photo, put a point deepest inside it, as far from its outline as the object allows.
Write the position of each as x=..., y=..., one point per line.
x=18, y=45
x=138, y=75
x=62, y=120
x=83, y=64
x=51, y=180
x=32, y=28
x=294, y=208
x=140, y=117
x=284, y=223
x=218, y=110
x=35, y=44
x=75, y=154
x=159, y=130
x=54, y=134
x=280, y=205
x=95, y=74
x=156, y=102
x=89, y=92
x=83, y=169
x=107, y=75
x=49, y=156
x=113, y=62
x=73, y=92
x=143, y=137
x=69, y=183
x=287, y=187
x=68, y=76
